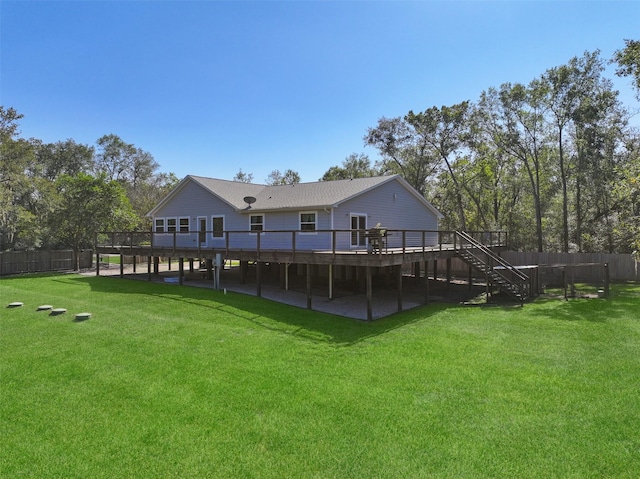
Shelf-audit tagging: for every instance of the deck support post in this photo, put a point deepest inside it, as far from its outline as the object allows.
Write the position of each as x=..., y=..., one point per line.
x=435, y=269
x=156, y=265
x=309, y=278
x=330, y=281
x=134, y=260
x=399, y=286
x=369, y=293
x=470, y=277
x=97, y=264
x=286, y=276
x=258, y=280
x=121, y=265
x=169, y=264
x=416, y=271
x=219, y=267
x=426, y=282
x=190, y=265
x=180, y=270
x=488, y=282
x=243, y=271
x=209, y=267
x=149, y=268
x=607, y=280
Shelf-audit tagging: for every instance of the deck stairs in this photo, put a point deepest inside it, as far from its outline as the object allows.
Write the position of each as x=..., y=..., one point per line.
x=498, y=272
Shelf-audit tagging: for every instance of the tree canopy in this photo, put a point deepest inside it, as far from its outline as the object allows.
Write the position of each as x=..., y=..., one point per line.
x=60, y=194
x=628, y=60
x=543, y=160
x=555, y=162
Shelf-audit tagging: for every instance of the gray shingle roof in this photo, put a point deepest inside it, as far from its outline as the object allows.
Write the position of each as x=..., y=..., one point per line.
x=303, y=195
x=321, y=194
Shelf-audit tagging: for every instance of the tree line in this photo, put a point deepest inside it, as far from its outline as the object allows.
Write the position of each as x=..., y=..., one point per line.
x=554, y=162
x=58, y=195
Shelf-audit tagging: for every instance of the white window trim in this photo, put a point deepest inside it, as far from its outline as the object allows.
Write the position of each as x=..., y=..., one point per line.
x=218, y=238
x=164, y=226
x=263, y=223
x=198, y=231
x=366, y=225
x=175, y=225
x=180, y=226
x=315, y=223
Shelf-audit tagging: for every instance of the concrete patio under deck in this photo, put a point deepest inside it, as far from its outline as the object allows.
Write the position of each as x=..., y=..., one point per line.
x=316, y=269
x=345, y=303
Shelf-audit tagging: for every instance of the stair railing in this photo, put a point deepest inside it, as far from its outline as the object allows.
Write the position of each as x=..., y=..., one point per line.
x=518, y=279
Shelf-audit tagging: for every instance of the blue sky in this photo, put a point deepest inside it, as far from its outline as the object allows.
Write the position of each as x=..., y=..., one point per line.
x=211, y=87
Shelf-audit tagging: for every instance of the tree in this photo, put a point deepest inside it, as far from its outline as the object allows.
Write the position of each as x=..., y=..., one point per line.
x=64, y=158
x=114, y=156
x=444, y=131
x=356, y=165
x=146, y=195
x=18, y=226
x=566, y=89
x=124, y=162
x=513, y=117
x=626, y=196
x=86, y=205
x=289, y=177
x=628, y=60
x=242, y=177
x=403, y=151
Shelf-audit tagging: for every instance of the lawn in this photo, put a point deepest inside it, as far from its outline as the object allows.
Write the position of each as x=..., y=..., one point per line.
x=174, y=381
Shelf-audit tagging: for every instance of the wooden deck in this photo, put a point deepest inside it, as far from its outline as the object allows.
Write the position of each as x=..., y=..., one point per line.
x=409, y=248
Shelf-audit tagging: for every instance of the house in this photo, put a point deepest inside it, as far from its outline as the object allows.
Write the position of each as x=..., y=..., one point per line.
x=209, y=213
x=346, y=233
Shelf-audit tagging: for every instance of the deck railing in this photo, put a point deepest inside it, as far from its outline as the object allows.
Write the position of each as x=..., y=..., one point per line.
x=335, y=241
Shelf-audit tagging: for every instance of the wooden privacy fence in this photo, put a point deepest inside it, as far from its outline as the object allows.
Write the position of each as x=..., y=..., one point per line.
x=17, y=262
x=622, y=267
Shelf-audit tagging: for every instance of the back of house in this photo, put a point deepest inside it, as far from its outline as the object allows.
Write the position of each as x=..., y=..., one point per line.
x=211, y=213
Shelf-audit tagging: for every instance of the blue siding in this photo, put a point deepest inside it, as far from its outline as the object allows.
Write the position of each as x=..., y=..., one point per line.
x=395, y=208
x=390, y=204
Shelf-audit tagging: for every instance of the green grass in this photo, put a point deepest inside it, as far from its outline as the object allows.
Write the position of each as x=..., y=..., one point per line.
x=171, y=381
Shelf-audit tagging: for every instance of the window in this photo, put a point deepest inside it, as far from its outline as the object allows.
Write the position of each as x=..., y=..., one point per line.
x=308, y=221
x=218, y=226
x=184, y=225
x=256, y=223
x=171, y=225
x=159, y=225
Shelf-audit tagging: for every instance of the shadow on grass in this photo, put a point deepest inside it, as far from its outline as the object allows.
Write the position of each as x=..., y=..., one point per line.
x=623, y=303
x=307, y=324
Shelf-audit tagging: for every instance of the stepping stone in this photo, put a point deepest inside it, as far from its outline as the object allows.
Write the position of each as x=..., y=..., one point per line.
x=44, y=307
x=15, y=304
x=82, y=316
x=57, y=311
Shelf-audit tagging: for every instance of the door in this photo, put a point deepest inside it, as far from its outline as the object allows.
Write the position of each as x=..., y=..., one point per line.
x=202, y=231
x=358, y=229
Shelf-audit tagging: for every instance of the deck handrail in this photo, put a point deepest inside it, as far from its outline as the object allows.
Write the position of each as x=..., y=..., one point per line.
x=490, y=254
x=227, y=240
x=521, y=279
